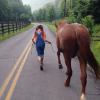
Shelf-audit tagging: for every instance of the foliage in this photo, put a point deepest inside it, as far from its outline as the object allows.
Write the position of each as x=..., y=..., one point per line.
x=95, y=45
x=14, y=9
x=44, y=13
x=96, y=50
x=96, y=29
x=94, y=9
x=89, y=22
x=75, y=10
x=4, y=8
x=51, y=27
x=79, y=8
x=71, y=18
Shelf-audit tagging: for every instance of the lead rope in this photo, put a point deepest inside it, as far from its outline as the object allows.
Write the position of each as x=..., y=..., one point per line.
x=31, y=48
x=52, y=48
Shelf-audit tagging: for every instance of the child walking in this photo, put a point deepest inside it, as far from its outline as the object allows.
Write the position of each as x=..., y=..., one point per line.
x=39, y=40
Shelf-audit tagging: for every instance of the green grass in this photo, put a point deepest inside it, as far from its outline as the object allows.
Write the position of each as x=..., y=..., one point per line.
x=51, y=26
x=96, y=30
x=95, y=45
x=8, y=35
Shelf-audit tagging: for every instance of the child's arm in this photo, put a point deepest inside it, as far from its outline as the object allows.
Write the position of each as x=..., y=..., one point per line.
x=34, y=38
x=44, y=37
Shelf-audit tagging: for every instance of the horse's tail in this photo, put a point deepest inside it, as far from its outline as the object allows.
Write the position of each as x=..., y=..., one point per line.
x=93, y=63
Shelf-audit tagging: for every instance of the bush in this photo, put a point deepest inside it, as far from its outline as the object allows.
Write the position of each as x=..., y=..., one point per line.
x=89, y=23
x=96, y=29
x=71, y=18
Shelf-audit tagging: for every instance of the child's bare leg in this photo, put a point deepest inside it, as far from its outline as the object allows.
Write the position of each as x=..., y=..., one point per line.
x=42, y=58
x=39, y=59
x=41, y=62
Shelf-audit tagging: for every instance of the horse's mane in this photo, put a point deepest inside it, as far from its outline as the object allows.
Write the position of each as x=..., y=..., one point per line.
x=61, y=23
x=64, y=21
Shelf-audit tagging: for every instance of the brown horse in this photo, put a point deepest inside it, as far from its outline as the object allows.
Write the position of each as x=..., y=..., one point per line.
x=74, y=40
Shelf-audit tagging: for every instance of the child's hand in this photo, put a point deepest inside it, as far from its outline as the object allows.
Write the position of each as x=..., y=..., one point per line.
x=33, y=41
x=49, y=42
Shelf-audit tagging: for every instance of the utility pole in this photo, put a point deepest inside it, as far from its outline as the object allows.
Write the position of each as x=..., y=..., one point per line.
x=65, y=8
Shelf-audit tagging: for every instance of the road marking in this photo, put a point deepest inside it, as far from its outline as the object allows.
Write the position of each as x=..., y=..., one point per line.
x=7, y=80
x=13, y=85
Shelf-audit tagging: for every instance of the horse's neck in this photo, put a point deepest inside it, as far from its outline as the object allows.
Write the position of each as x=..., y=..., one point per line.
x=76, y=24
x=62, y=25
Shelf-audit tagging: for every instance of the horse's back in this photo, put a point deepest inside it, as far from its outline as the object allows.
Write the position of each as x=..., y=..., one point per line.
x=72, y=37
x=67, y=38
x=82, y=34
x=83, y=39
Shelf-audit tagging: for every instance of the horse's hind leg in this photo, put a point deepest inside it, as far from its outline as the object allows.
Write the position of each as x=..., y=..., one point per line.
x=83, y=66
x=69, y=69
x=59, y=60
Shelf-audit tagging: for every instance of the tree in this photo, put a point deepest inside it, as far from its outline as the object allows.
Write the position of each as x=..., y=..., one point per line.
x=75, y=10
x=45, y=14
x=26, y=12
x=94, y=9
x=50, y=12
x=4, y=8
x=14, y=9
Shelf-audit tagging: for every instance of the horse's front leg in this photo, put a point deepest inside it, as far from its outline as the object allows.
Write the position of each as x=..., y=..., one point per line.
x=59, y=60
x=83, y=77
x=69, y=69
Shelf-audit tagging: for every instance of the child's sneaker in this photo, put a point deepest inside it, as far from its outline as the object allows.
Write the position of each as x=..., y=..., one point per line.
x=41, y=67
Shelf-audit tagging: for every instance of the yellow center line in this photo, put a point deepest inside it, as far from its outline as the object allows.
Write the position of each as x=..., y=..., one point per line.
x=13, y=85
x=7, y=80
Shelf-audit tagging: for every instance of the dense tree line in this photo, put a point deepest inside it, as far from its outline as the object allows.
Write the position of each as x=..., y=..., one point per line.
x=47, y=13
x=77, y=9
x=94, y=9
x=14, y=9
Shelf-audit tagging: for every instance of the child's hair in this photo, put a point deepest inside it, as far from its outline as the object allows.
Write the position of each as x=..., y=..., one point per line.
x=43, y=33
x=39, y=27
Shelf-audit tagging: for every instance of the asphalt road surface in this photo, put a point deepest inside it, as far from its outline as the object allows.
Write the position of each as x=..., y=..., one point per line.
x=21, y=78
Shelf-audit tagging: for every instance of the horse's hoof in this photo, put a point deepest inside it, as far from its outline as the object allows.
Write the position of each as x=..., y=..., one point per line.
x=83, y=97
x=60, y=66
x=66, y=84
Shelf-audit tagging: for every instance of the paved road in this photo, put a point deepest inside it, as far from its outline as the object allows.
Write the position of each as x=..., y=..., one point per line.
x=29, y=83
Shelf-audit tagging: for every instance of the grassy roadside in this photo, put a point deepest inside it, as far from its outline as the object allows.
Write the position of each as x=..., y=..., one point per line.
x=95, y=46
x=96, y=50
x=8, y=35
x=51, y=26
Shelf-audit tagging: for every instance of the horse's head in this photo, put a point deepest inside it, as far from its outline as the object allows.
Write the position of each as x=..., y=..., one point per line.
x=60, y=24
